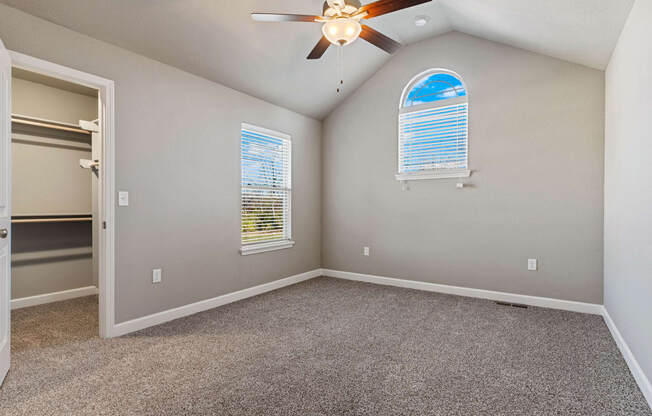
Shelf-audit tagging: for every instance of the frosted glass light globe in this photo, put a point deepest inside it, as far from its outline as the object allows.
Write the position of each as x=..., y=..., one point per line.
x=341, y=31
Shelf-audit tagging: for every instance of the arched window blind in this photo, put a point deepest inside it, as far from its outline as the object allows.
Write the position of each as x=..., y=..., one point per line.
x=266, y=186
x=433, y=127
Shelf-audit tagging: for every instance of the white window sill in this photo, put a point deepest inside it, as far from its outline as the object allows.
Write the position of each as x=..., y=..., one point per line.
x=442, y=174
x=263, y=247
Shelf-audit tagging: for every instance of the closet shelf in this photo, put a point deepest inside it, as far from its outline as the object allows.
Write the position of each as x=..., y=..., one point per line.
x=28, y=219
x=40, y=122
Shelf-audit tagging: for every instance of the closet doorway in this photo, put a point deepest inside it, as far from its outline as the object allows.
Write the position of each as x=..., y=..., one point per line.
x=59, y=160
x=55, y=155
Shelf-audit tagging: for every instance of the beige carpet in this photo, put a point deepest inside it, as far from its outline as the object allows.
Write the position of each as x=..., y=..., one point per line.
x=322, y=347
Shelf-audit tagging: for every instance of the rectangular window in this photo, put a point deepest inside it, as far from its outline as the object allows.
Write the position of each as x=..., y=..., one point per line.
x=434, y=142
x=266, y=190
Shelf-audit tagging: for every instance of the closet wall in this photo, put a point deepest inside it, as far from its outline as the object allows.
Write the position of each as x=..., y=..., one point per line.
x=47, y=179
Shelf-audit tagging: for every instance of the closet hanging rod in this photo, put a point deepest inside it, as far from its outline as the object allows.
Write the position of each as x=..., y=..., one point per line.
x=41, y=122
x=37, y=219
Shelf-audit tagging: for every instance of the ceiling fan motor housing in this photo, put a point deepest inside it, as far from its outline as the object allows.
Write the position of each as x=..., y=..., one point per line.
x=346, y=6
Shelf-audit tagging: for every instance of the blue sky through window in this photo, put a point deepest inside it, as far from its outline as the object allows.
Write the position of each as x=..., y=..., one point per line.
x=263, y=163
x=438, y=86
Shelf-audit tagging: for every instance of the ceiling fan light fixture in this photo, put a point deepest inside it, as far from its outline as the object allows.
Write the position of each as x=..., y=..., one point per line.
x=341, y=23
x=341, y=31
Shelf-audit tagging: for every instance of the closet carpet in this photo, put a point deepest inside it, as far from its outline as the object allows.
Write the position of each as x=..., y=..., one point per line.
x=322, y=347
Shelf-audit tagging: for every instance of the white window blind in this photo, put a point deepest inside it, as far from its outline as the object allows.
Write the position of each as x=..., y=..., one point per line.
x=433, y=138
x=265, y=160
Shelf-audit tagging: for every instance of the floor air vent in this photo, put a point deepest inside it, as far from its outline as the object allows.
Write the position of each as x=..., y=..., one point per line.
x=513, y=305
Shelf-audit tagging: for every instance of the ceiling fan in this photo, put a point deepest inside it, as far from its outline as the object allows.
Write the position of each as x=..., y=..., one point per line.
x=341, y=23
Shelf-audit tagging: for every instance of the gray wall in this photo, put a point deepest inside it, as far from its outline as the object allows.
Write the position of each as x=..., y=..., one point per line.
x=628, y=185
x=177, y=153
x=47, y=180
x=36, y=99
x=50, y=257
x=536, y=142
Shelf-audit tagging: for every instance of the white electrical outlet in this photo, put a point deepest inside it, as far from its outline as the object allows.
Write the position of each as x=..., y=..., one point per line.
x=366, y=251
x=532, y=265
x=156, y=276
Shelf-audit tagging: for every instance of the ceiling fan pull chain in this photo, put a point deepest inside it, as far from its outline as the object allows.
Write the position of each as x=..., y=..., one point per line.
x=340, y=68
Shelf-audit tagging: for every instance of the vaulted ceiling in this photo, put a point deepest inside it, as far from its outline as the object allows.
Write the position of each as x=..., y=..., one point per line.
x=217, y=39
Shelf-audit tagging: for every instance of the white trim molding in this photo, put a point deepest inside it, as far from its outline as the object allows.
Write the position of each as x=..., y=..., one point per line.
x=203, y=305
x=106, y=112
x=636, y=370
x=435, y=174
x=263, y=247
x=53, y=297
x=567, y=305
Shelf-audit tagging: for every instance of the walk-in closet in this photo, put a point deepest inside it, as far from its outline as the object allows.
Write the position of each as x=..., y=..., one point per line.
x=55, y=145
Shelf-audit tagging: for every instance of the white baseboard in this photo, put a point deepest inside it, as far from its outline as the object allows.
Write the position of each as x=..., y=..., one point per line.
x=53, y=297
x=567, y=305
x=193, y=308
x=636, y=370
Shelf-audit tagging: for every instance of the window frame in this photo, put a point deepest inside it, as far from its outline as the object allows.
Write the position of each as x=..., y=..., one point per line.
x=440, y=173
x=286, y=241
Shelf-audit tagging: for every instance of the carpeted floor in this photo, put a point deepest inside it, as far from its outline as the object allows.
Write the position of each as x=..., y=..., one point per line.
x=322, y=347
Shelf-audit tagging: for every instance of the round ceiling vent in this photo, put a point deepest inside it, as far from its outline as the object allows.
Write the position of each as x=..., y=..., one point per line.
x=421, y=20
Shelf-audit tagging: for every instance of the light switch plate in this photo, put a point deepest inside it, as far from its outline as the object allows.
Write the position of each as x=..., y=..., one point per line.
x=156, y=276
x=532, y=265
x=365, y=251
x=123, y=198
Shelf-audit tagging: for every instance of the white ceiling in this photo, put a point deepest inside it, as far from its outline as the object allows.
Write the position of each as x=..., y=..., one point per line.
x=217, y=39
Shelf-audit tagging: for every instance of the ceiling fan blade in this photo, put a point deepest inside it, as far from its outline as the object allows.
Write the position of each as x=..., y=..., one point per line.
x=382, y=7
x=376, y=38
x=320, y=48
x=276, y=17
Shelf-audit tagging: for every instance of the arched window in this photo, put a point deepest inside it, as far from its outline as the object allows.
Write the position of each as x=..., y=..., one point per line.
x=433, y=127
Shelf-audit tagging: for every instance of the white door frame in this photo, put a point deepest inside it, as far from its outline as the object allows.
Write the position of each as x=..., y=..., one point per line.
x=107, y=173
